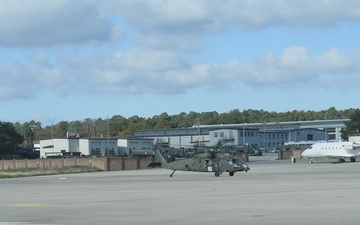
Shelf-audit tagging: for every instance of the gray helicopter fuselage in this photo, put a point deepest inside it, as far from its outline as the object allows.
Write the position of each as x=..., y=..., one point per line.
x=206, y=162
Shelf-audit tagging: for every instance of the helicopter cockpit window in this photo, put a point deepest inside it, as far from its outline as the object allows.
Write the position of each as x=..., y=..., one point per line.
x=212, y=161
x=229, y=162
x=235, y=161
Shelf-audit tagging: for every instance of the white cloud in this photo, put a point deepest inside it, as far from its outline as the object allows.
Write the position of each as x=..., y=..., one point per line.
x=22, y=81
x=201, y=16
x=160, y=24
x=143, y=71
x=294, y=66
x=252, y=14
x=136, y=71
x=147, y=71
x=46, y=23
x=170, y=42
x=165, y=16
x=163, y=29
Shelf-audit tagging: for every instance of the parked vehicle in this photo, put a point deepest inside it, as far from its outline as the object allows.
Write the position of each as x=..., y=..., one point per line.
x=256, y=152
x=27, y=153
x=141, y=153
x=276, y=150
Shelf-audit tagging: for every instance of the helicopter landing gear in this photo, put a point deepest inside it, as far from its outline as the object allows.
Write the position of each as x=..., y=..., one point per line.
x=232, y=173
x=172, y=173
x=217, y=173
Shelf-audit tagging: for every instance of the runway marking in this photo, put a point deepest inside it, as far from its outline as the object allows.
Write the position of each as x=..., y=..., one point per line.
x=31, y=205
x=20, y=223
x=13, y=223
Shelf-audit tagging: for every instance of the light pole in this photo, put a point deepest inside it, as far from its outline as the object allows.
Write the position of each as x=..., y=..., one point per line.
x=52, y=138
x=169, y=137
x=199, y=133
x=325, y=127
x=107, y=137
x=243, y=134
x=243, y=130
x=264, y=135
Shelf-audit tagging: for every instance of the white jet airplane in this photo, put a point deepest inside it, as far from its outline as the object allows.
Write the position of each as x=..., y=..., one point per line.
x=337, y=150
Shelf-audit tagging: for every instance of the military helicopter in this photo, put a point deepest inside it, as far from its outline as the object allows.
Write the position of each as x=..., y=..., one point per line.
x=209, y=161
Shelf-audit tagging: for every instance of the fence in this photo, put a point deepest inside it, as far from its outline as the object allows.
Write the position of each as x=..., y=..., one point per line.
x=103, y=163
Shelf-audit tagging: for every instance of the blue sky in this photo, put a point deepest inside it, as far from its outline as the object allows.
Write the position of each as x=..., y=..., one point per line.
x=70, y=60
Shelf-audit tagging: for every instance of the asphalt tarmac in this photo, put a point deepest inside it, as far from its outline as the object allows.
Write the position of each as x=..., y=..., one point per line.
x=272, y=192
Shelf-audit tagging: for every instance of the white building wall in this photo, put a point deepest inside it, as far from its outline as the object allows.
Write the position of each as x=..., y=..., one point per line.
x=184, y=141
x=235, y=137
x=57, y=146
x=61, y=144
x=354, y=138
x=223, y=134
x=122, y=147
x=180, y=142
x=73, y=145
x=338, y=133
x=37, y=146
x=44, y=147
x=84, y=146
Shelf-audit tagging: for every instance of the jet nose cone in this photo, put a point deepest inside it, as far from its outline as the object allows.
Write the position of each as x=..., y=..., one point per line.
x=305, y=153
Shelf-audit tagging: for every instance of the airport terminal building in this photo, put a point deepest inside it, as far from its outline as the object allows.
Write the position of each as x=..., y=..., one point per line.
x=235, y=135
x=261, y=135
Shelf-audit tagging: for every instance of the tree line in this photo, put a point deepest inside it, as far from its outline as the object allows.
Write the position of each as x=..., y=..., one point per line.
x=27, y=133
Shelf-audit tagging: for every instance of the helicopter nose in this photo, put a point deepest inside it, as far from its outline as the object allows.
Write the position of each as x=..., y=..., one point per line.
x=246, y=167
x=242, y=167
